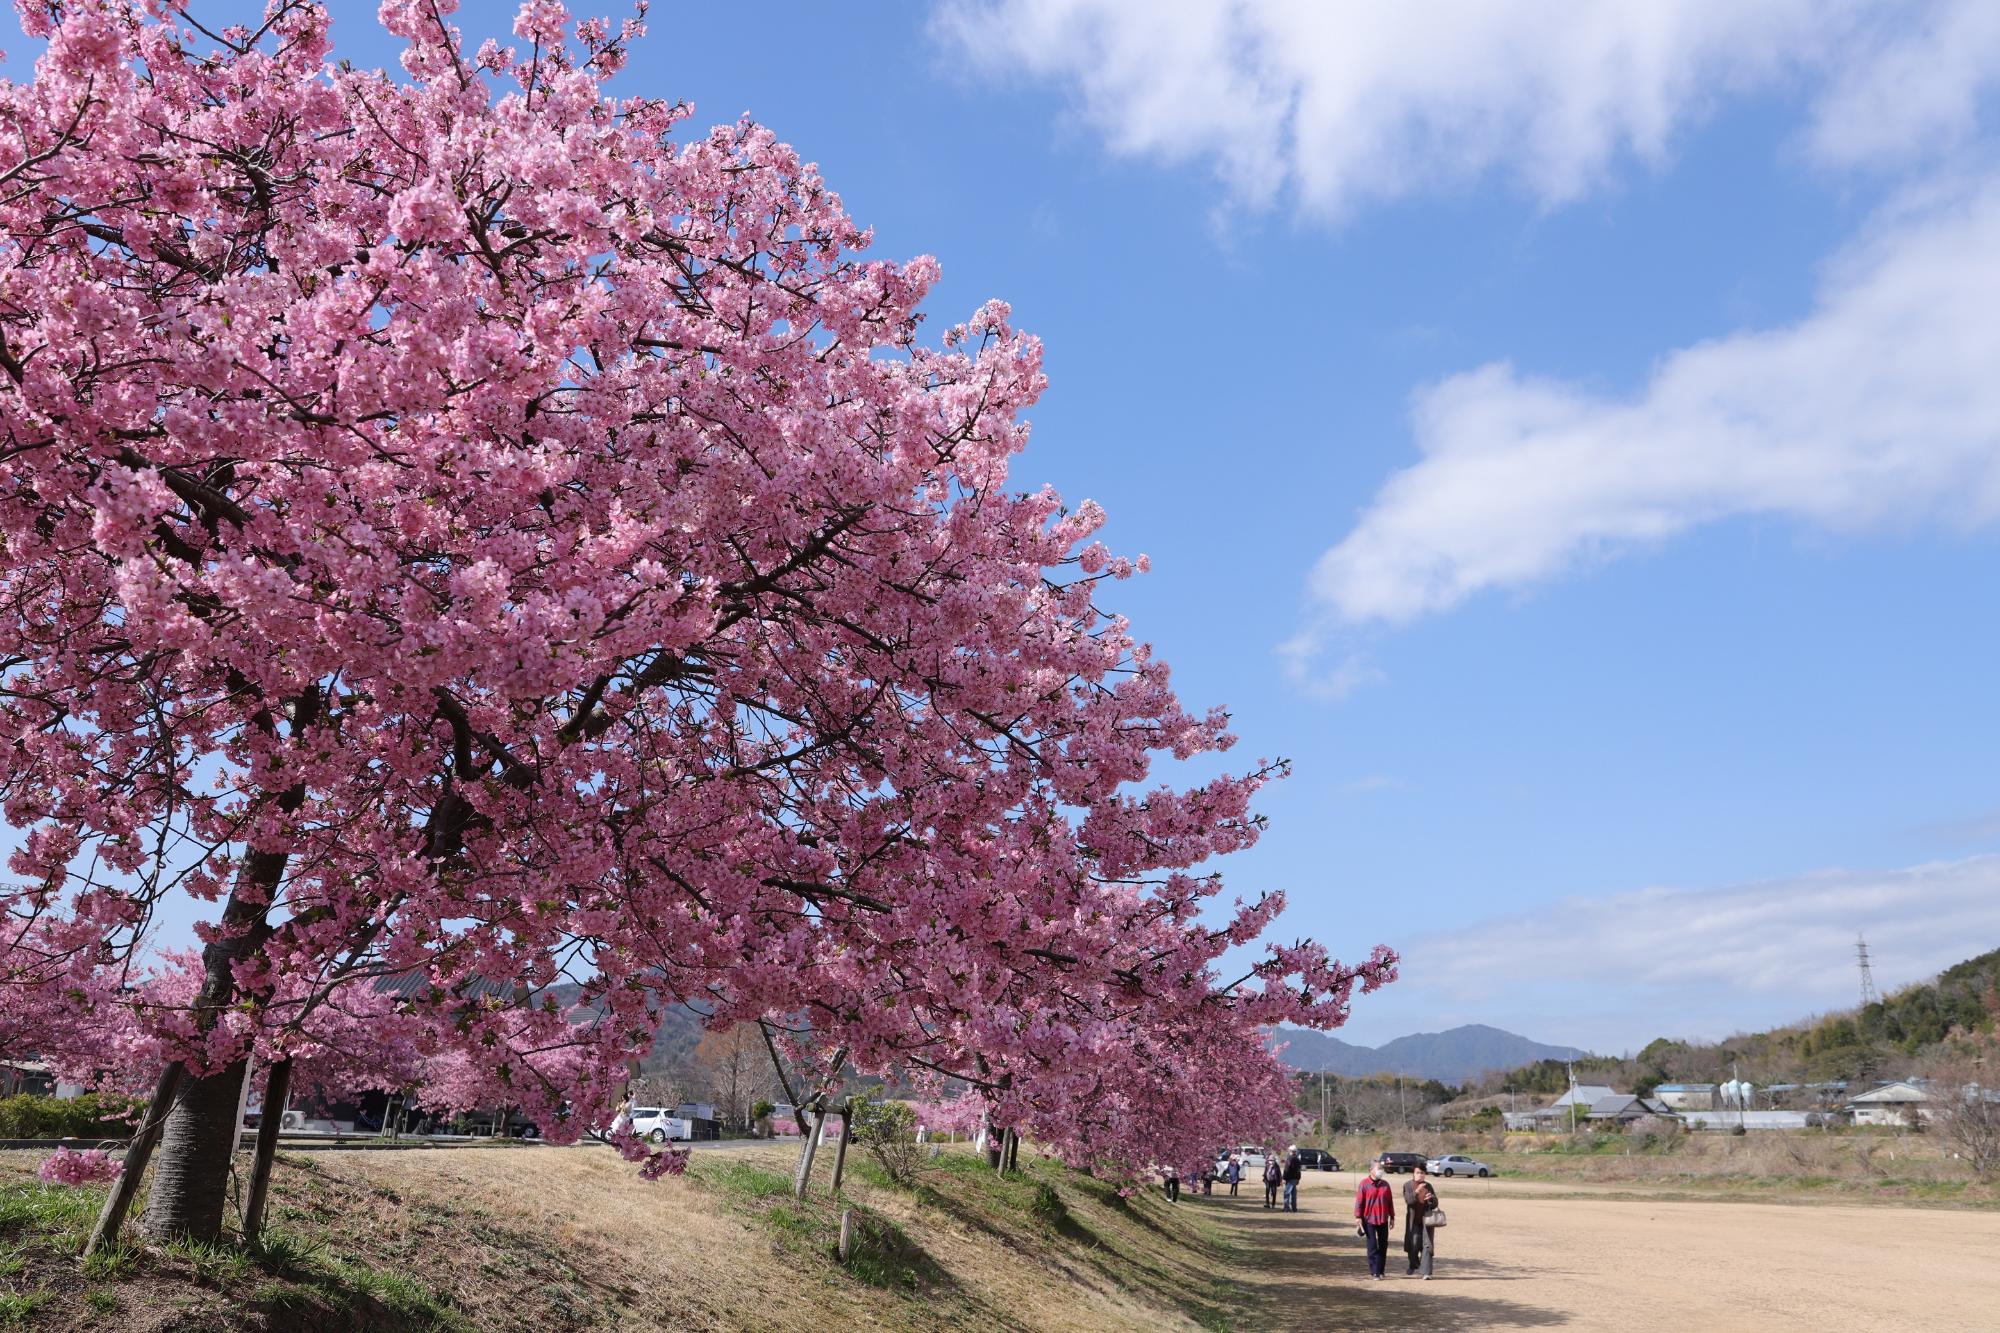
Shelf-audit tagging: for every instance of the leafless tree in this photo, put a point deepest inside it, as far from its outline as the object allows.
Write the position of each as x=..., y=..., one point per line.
x=1964, y=1108
x=731, y=1064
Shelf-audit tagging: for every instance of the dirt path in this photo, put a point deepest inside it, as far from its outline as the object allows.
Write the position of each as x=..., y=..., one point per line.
x=1512, y=1260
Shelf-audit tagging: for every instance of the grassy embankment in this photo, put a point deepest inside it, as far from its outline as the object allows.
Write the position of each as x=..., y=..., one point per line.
x=545, y=1240
x=1852, y=1166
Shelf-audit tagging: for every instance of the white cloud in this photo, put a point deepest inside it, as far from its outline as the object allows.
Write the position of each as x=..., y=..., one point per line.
x=1704, y=962
x=1881, y=407
x=1340, y=103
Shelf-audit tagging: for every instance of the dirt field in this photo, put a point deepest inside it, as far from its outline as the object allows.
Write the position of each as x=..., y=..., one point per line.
x=1519, y=1255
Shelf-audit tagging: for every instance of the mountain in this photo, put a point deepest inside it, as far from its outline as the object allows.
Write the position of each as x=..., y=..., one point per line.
x=1452, y=1056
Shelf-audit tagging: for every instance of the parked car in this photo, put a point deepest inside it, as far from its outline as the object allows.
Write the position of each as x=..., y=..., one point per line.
x=1456, y=1164
x=654, y=1124
x=1403, y=1161
x=1252, y=1159
x=1318, y=1159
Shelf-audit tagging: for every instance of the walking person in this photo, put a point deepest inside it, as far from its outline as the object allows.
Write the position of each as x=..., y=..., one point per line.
x=1173, y=1186
x=1273, y=1174
x=1294, y=1169
x=1375, y=1209
x=1420, y=1210
x=1234, y=1173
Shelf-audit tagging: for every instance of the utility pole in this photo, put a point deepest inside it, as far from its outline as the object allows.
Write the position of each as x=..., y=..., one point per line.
x=1325, y=1133
x=1572, y=1096
x=1868, y=995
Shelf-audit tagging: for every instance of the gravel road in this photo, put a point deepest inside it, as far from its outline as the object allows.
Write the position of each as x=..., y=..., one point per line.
x=1521, y=1255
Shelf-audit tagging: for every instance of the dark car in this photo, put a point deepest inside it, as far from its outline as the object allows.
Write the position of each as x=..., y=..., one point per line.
x=1318, y=1159
x=1403, y=1161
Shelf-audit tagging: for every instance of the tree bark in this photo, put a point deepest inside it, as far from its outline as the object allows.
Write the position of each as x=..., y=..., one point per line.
x=112, y=1219
x=191, y=1181
x=277, y=1088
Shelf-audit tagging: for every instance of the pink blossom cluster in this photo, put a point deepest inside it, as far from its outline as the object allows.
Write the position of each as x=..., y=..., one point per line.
x=68, y=1166
x=458, y=532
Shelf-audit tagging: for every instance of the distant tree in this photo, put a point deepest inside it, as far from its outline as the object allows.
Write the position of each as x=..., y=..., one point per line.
x=733, y=1066
x=1964, y=1108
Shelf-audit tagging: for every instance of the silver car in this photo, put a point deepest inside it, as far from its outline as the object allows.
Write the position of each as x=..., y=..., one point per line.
x=1457, y=1164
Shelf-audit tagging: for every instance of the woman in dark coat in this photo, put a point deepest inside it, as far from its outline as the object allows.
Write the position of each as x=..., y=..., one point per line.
x=1419, y=1199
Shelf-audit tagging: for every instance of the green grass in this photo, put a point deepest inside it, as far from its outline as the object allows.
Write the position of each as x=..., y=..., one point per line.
x=104, y=1302
x=62, y=1215
x=744, y=1183
x=211, y=1264
x=110, y=1262
x=17, y=1307
x=399, y=1294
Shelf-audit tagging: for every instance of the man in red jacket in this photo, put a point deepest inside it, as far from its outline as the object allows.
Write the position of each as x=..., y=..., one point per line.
x=1375, y=1207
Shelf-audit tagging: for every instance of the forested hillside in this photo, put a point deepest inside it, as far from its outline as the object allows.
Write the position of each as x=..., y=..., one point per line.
x=1888, y=1039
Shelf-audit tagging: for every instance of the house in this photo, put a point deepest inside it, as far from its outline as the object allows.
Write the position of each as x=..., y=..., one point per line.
x=1900, y=1104
x=1624, y=1108
x=1687, y=1096
x=1556, y=1115
x=26, y=1076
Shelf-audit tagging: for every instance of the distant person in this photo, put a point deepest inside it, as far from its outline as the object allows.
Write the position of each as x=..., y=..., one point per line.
x=1273, y=1174
x=1294, y=1170
x=1375, y=1209
x=1419, y=1240
x=1173, y=1186
x=1208, y=1178
x=1233, y=1173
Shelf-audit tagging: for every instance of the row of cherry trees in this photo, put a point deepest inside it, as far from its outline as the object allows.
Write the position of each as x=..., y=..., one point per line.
x=456, y=529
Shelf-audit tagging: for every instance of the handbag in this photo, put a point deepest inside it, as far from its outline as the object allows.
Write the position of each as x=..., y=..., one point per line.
x=1434, y=1218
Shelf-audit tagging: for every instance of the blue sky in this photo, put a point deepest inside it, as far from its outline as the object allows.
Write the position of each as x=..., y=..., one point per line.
x=1573, y=447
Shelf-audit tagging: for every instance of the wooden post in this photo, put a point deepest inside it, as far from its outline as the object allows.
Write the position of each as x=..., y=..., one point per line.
x=277, y=1091
x=846, y=1233
x=243, y=1101
x=846, y=1132
x=804, y=1173
x=119, y=1202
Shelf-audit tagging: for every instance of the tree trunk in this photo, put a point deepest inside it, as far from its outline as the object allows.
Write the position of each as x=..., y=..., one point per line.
x=277, y=1089
x=191, y=1181
x=112, y=1219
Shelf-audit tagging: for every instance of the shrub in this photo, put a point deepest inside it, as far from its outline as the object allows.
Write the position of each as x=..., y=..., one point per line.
x=91, y=1116
x=889, y=1131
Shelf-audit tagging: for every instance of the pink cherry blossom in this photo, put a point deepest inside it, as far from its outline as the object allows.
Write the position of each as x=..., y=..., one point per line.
x=472, y=534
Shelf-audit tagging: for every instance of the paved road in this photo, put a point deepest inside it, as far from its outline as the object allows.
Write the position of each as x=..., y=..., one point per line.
x=1512, y=1257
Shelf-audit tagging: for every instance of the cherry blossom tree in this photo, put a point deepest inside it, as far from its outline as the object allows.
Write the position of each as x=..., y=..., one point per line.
x=459, y=526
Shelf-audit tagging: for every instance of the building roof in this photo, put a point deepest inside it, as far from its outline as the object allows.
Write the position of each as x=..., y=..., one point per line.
x=1748, y=1119
x=1582, y=1095
x=1891, y=1094
x=417, y=982
x=1685, y=1087
x=1622, y=1103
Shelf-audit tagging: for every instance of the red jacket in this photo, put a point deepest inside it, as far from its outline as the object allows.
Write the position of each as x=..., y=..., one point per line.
x=1375, y=1202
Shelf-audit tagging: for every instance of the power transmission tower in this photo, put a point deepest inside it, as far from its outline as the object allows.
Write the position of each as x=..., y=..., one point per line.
x=1868, y=995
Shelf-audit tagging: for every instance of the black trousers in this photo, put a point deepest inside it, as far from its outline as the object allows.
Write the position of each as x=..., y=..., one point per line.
x=1270, y=1196
x=1378, y=1247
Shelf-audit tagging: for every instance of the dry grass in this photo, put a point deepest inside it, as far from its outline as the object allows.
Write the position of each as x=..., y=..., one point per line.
x=1853, y=1166
x=546, y=1240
